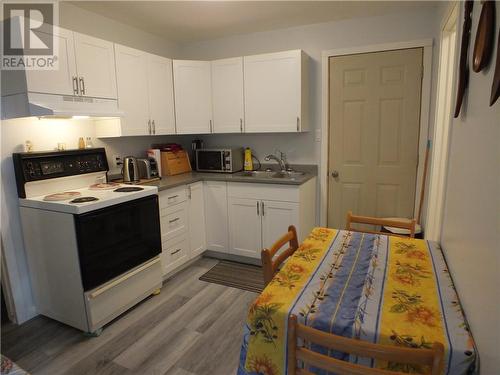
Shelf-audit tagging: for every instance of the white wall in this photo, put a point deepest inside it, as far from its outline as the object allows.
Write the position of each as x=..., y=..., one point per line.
x=313, y=39
x=81, y=20
x=471, y=228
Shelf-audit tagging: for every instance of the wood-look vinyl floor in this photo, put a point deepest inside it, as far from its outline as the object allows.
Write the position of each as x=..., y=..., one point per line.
x=191, y=328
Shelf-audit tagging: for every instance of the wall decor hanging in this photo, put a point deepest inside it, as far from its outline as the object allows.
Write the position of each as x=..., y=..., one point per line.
x=495, y=87
x=483, y=46
x=463, y=73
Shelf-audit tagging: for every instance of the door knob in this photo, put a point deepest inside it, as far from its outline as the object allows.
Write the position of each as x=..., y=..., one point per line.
x=335, y=174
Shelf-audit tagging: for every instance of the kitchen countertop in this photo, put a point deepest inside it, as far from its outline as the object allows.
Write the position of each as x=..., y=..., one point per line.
x=169, y=182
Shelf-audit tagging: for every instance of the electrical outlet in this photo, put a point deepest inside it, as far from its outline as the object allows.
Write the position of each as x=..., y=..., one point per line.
x=117, y=161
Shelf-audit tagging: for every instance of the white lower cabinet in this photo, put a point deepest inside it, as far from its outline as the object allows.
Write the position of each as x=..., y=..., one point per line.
x=216, y=217
x=276, y=217
x=259, y=214
x=231, y=217
x=245, y=233
x=196, y=214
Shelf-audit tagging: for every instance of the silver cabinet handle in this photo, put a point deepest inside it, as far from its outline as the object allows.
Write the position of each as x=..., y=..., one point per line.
x=189, y=192
x=298, y=123
x=174, y=220
x=82, y=85
x=263, y=213
x=258, y=212
x=241, y=125
x=175, y=251
x=149, y=126
x=75, y=85
x=335, y=174
x=154, y=127
x=173, y=196
x=211, y=129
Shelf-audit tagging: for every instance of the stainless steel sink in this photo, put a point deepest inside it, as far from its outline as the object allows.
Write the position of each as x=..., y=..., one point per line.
x=271, y=174
x=260, y=174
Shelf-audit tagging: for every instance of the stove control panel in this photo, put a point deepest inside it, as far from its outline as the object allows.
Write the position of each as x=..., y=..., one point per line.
x=46, y=165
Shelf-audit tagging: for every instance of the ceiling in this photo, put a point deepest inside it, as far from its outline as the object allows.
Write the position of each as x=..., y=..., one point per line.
x=190, y=21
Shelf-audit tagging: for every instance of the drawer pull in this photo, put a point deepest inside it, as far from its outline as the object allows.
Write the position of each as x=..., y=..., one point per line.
x=173, y=196
x=175, y=251
x=173, y=220
x=112, y=284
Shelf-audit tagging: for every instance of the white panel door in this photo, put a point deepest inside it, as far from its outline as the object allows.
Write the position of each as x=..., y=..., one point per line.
x=276, y=217
x=60, y=81
x=245, y=229
x=273, y=92
x=161, y=95
x=227, y=95
x=216, y=219
x=131, y=71
x=374, y=130
x=95, y=62
x=192, y=92
x=197, y=233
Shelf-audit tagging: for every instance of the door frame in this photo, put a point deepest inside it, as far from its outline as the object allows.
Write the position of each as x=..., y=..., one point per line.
x=443, y=118
x=426, y=45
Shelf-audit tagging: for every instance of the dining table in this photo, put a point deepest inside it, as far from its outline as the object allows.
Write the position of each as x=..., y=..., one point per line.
x=373, y=287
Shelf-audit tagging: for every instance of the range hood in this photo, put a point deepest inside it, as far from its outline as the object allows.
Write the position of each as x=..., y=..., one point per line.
x=48, y=105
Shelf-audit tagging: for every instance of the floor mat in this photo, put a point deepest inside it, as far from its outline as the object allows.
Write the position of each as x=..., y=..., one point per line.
x=236, y=275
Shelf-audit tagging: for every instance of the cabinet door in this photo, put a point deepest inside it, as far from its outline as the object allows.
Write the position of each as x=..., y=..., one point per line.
x=59, y=81
x=276, y=217
x=133, y=99
x=161, y=95
x=245, y=233
x=197, y=234
x=227, y=95
x=273, y=92
x=95, y=63
x=192, y=92
x=216, y=219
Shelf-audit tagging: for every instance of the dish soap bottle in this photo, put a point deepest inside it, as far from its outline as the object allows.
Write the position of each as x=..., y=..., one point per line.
x=248, y=164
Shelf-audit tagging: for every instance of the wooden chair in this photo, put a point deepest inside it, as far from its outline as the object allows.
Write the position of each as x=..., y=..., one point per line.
x=409, y=225
x=434, y=358
x=270, y=267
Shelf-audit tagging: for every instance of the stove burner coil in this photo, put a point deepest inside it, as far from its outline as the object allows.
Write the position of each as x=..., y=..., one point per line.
x=128, y=189
x=84, y=200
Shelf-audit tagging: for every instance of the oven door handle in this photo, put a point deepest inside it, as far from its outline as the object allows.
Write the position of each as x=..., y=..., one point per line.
x=114, y=283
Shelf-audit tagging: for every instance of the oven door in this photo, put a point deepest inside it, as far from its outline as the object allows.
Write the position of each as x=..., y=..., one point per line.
x=114, y=240
x=210, y=160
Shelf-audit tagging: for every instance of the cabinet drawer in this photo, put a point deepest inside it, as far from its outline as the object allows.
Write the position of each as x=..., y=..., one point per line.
x=284, y=193
x=173, y=221
x=171, y=197
x=108, y=301
x=175, y=252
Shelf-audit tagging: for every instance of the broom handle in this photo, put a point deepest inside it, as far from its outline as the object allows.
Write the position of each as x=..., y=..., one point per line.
x=424, y=177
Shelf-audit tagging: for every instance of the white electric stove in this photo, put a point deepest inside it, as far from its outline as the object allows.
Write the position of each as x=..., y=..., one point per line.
x=92, y=246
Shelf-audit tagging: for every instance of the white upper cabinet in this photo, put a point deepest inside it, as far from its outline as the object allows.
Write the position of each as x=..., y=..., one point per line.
x=95, y=64
x=60, y=81
x=161, y=95
x=193, y=99
x=227, y=95
x=276, y=92
x=133, y=97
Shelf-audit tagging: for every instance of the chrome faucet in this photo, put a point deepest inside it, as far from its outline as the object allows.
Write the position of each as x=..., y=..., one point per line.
x=280, y=160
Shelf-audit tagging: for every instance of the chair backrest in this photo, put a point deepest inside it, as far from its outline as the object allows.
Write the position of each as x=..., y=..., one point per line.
x=269, y=265
x=433, y=358
x=403, y=224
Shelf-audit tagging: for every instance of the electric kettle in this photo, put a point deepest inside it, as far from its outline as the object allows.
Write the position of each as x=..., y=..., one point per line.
x=130, y=170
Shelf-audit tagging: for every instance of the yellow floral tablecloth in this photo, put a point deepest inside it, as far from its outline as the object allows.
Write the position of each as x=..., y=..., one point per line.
x=381, y=289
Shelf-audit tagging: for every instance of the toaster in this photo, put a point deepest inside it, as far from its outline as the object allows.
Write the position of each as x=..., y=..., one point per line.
x=144, y=166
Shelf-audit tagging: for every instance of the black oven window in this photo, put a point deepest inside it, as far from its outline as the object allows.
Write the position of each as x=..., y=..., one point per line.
x=113, y=240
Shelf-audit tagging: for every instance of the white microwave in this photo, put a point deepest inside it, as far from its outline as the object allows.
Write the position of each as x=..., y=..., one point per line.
x=225, y=160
